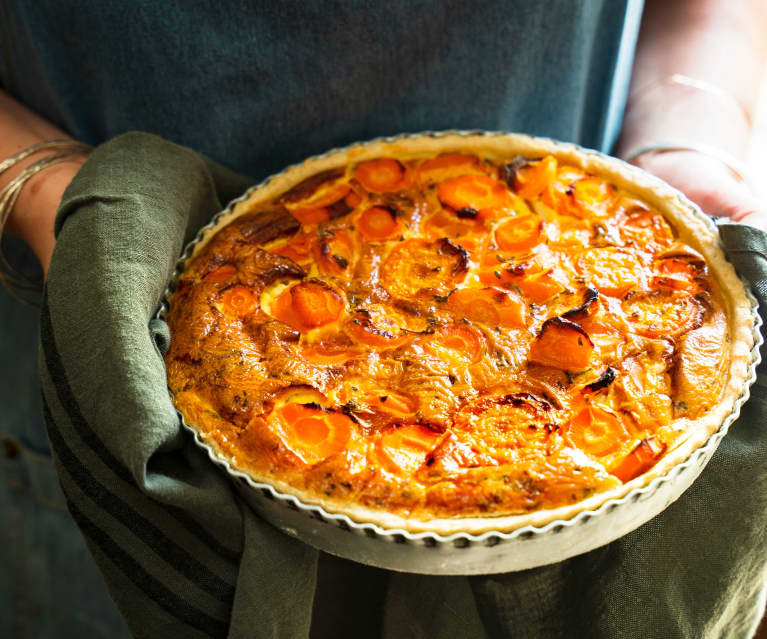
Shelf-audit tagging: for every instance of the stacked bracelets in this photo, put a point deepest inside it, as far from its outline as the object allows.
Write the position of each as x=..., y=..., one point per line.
x=13, y=279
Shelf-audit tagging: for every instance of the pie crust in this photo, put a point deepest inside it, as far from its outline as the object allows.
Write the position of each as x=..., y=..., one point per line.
x=708, y=290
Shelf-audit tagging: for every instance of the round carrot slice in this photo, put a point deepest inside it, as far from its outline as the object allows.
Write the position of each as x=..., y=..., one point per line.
x=520, y=233
x=221, y=274
x=597, y=431
x=565, y=232
x=610, y=270
x=403, y=449
x=383, y=175
x=462, y=342
x=589, y=197
x=239, y=300
x=531, y=177
x=310, y=431
x=473, y=193
x=316, y=303
x=646, y=229
x=379, y=223
x=562, y=344
x=680, y=273
x=661, y=313
x=490, y=306
x=422, y=266
x=362, y=329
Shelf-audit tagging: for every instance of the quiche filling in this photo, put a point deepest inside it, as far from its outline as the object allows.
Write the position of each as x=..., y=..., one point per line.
x=447, y=336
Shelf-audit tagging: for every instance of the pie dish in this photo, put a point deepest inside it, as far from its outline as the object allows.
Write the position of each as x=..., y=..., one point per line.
x=459, y=334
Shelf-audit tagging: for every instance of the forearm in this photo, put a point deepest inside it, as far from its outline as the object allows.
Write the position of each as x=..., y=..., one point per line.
x=35, y=210
x=718, y=42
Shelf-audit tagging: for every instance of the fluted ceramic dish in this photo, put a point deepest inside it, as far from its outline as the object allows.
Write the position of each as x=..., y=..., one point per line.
x=490, y=544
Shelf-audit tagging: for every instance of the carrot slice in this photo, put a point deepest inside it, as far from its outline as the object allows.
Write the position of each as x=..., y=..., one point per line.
x=660, y=314
x=597, y=431
x=520, y=233
x=473, y=193
x=490, y=306
x=327, y=194
x=590, y=196
x=566, y=232
x=239, y=300
x=363, y=330
x=680, y=273
x=311, y=432
x=298, y=248
x=531, y=177
x=444, y=223
x=646, y=229
x=403, y=449
x=316, y=303
x=383, y=175
x=562, y=344
x=379, y=223
x=641, y=459
x=221, y=274
x=421, y=266
x=612, y=271
x=537, y=283
x=462, y=342
x=334, y=253
x=352, y=200
x=391, y=403
x=447, y=165
x=311, y=215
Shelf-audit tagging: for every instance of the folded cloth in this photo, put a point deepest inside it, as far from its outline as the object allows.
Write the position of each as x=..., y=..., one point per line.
x=183, y=556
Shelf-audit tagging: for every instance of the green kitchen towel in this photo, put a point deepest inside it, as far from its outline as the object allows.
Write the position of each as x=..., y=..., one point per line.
x=183, y=556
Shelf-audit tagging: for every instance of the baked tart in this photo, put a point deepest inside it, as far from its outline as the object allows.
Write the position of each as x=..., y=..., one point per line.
x=458, y=332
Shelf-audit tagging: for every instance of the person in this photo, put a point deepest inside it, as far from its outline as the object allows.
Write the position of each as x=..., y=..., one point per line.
x=260, y=87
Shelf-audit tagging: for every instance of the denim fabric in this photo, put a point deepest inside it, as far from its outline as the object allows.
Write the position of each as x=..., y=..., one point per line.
x=259, y=85
x=49, y=583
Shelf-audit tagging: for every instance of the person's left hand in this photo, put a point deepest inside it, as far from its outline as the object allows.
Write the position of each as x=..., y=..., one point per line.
x=709, y=183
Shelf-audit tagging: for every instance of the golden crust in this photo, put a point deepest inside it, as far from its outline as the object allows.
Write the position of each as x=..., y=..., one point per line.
x=691, y=229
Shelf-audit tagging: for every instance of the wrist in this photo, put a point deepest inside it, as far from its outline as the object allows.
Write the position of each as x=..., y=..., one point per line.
x=34, y=212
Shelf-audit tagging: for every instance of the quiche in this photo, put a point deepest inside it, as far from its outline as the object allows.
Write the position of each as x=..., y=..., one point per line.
x=458, y=332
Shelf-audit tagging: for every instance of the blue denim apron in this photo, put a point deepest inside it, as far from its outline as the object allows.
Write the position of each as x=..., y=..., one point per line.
x=258, y=86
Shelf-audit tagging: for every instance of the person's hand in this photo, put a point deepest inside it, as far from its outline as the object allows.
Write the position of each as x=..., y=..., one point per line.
x=707, y=182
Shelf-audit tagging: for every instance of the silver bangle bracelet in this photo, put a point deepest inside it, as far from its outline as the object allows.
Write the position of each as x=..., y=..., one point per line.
x=737, y=167
x=12, y=278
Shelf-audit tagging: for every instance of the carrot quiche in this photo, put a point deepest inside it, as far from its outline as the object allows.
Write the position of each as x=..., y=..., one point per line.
x=460, y=328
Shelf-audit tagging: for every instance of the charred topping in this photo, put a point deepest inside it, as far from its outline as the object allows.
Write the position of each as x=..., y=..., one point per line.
x=518, y=399
x=446, y=247
x=607, y=378
x=362, y=318
x=590, y=296
x=339, y=208
x=304, y=189
x=340, y=260
x=561, y=322
x=508, y=172
x=467, y=213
